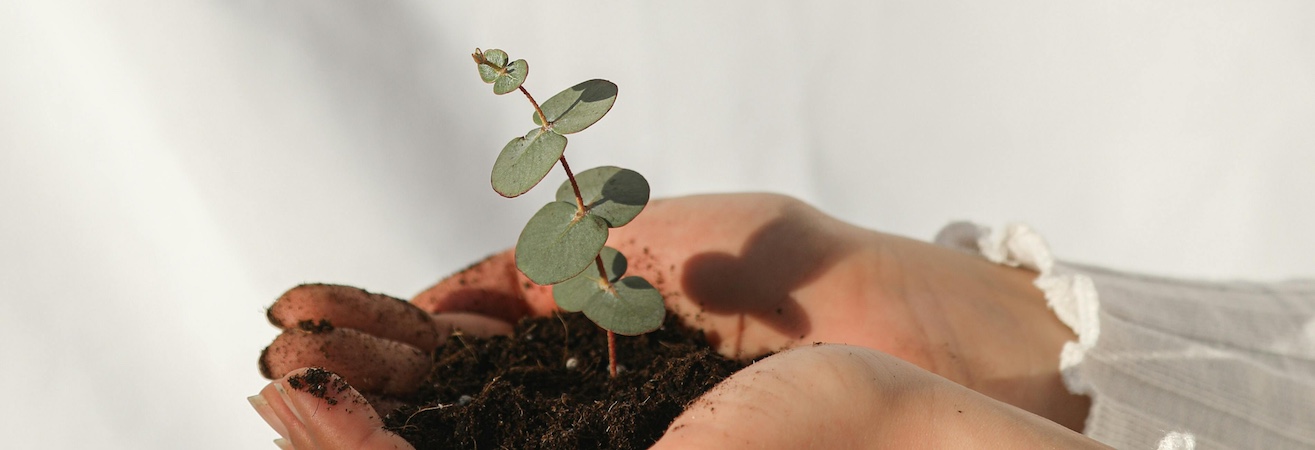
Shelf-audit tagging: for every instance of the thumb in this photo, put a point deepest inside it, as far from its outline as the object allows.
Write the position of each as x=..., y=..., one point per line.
x=314, y=409
x=840, y=396
x=808, y=397
x=493, y=287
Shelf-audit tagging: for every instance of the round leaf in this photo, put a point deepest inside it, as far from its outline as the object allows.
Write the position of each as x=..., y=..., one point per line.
x=631, y=308
x=571, y=295
x=614, y=262
x=525, y=161
x=575, y=109
x=613, y=194
x=574, y=294
x=494, y=61
x=496, y=57
x=488, y=73
x=556, y=245
x=511, y=78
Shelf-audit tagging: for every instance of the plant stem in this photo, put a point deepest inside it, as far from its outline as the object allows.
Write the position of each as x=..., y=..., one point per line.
x=579, y=203
x=602, y=270
x=611, y=353
x=579, y=200
x=602, y=273
x=542, y=118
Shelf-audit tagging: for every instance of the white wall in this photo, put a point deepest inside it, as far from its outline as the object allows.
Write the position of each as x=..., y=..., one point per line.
x=168, y=168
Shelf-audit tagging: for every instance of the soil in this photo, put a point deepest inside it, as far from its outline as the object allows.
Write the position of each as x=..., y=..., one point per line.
x=547, y=386
x=319, y=382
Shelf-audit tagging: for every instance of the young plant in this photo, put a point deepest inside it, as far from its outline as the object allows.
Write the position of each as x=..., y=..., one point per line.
x=566, y=237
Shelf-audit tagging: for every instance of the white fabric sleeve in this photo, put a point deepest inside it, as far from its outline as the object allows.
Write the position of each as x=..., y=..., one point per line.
x=1169, y=363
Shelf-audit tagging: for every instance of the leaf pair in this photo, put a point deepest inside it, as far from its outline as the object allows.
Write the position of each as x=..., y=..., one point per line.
x=561, y=241
x=493, y=68
x=524, y=161
x=628, y=306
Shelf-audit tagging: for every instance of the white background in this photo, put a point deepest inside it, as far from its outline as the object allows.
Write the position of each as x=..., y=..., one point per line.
x=168, y=168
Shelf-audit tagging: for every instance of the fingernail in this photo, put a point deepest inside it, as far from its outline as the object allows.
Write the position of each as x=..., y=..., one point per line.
x=266, y=412
x=278, y=386
x=283, y=443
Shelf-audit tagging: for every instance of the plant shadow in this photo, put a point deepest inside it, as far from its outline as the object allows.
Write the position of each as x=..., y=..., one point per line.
x=759, y=283
x=590, y=91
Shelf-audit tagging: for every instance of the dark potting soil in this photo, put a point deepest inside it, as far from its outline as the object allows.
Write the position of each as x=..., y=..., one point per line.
x=547, y=386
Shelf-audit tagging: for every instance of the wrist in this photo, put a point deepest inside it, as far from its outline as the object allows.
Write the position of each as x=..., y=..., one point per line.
x=987, y=326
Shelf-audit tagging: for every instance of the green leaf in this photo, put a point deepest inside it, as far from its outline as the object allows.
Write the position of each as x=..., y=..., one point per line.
x=631, y=307
x=613, y=194
x=556, y=245
x=496, y=57
x=525, y=161
x=512, y=78
x=613, y=262
x=493, y=62
x=493, y=68
x=571, y=295
x=575, y=109
x=488, y=73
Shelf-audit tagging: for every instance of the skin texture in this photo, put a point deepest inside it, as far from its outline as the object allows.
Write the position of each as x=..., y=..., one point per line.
x=759, y=273
x=857, y=398
x=309, y=422
x=346, y=307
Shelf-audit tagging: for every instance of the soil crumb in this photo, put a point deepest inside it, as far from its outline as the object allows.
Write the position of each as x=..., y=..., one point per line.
x=323, y=326
x=318, y=382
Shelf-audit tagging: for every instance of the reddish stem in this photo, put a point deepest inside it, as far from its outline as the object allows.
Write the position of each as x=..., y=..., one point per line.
x=579, y=200
x=602, y=273
x=542, y=118
x=611, y=353
x=579, y=203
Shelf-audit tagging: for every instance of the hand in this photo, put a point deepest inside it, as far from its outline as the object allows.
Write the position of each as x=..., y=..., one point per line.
x=826, y=396
x=839, y=396
x=758, y=273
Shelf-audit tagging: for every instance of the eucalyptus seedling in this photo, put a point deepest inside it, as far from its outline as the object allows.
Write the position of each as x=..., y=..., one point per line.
x=567, y=236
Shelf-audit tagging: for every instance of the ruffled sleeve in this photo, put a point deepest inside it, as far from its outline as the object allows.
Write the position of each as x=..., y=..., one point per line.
x=1170, y=363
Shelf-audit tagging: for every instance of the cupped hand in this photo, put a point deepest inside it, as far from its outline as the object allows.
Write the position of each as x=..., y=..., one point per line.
x=841, y=396
x=759, y=273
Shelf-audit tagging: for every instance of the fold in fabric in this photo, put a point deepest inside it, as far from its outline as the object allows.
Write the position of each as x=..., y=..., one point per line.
x=1171, y=363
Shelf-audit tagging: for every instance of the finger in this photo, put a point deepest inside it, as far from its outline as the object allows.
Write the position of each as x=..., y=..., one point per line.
x=470, y=324
x=794, y=399
x=306, y=306
x=262, y=407
x=297, y=436
x=837, y=396
x=493, y=287
x=370, y=363
x=328, y=414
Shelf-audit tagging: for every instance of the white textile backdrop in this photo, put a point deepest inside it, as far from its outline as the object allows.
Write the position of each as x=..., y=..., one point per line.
x=168, y=168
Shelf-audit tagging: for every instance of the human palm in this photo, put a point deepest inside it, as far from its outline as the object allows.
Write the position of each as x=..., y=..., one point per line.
x=758, y=273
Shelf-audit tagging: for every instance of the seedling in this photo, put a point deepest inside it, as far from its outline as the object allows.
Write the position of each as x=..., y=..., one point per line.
x=566, y=236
